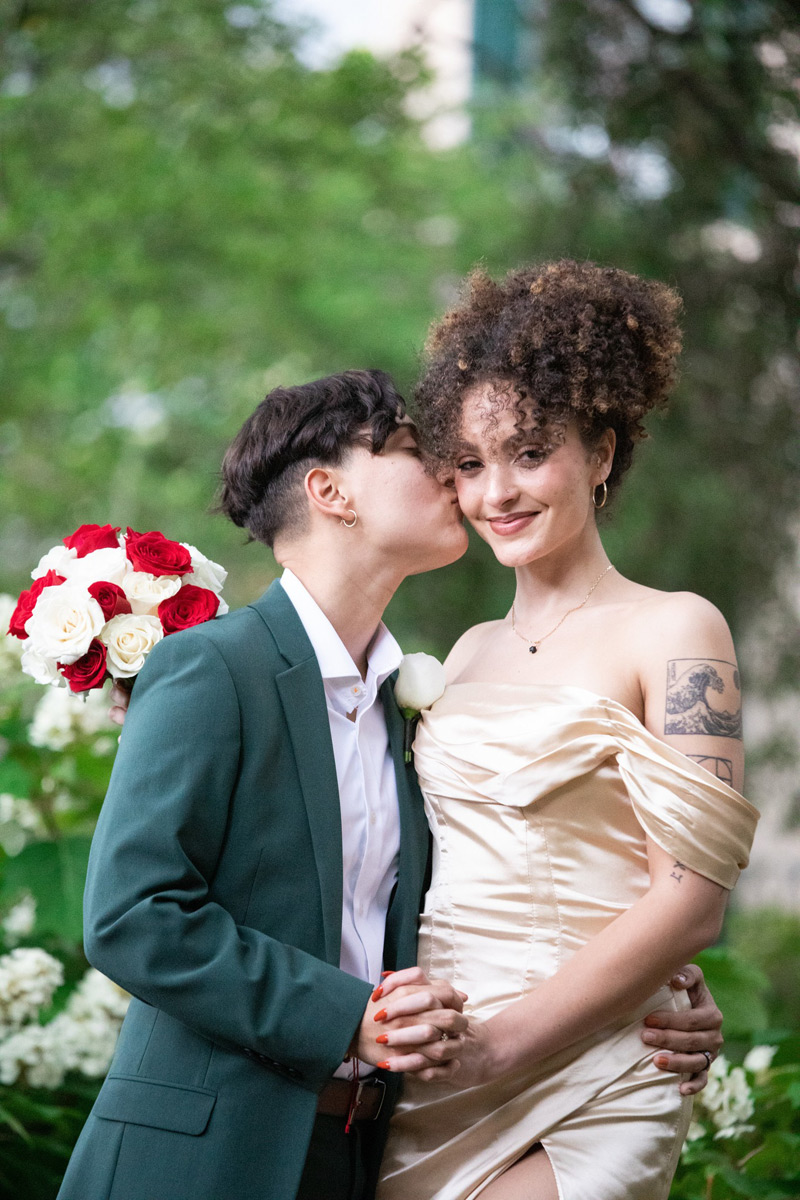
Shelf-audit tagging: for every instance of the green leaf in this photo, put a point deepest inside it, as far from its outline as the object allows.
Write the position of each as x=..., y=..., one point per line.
x=7, y=1118
x=15, y=779
x=738, y=988
x=55, y=872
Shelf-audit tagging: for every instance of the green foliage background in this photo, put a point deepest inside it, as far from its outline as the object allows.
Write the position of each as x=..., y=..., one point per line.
x=191, y=215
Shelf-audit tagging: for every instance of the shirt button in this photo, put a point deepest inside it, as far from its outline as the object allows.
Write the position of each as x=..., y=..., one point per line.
x=372, y=818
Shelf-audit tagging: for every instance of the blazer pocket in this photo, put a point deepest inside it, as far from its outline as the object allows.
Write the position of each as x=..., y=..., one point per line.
x=170, y=1106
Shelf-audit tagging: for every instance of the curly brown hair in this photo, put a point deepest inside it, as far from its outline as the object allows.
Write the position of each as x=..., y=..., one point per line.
x=569, y=339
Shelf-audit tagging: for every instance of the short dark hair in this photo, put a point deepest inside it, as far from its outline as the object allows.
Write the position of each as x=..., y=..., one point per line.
x=294, y=429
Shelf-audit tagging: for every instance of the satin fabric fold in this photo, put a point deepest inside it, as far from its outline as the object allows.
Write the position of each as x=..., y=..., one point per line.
x=539, y=799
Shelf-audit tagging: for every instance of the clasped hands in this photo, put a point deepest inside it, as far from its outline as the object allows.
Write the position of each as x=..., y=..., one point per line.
x=413, y=1024
x=403, y=1026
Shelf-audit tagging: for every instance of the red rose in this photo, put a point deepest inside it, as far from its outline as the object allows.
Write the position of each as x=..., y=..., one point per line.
x=192, y=605
x=27, y=602
x=92, y=537
x=111, y=599
x=88, y=672
x=156, y=554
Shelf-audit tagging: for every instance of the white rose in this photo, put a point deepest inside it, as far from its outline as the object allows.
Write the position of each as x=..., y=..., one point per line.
x=205, y=573
x=58, y=559
x=130, y=638
x=64, y=622
x=42, y=669
x=420, y=682
x=146, y=591
x=108, y=564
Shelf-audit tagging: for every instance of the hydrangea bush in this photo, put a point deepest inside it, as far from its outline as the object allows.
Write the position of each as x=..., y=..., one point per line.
x=745, y=1136
x=59, y=1021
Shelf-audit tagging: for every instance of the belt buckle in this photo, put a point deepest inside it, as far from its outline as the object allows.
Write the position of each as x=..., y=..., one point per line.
x=370, y=1083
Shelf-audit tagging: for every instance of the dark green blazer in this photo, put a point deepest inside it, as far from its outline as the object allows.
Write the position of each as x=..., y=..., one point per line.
x=214, y=895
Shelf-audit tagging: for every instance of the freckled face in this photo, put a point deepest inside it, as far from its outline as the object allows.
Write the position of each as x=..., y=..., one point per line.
x=404, y=511
x=526, y=503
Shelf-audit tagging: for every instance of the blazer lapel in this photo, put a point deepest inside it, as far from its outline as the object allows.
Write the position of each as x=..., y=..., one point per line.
x=302, y=696
x=401, y=922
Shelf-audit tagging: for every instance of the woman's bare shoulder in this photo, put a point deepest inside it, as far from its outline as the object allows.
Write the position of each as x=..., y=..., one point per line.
x=677, y=616
x=471, y=642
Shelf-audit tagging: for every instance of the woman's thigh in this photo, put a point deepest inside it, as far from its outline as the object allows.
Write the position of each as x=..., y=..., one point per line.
x=531, y=1178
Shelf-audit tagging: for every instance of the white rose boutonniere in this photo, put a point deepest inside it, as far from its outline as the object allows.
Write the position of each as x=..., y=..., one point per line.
x=420, y=682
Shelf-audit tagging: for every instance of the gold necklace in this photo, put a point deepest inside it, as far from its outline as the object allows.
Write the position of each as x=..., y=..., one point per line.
x=534, y=646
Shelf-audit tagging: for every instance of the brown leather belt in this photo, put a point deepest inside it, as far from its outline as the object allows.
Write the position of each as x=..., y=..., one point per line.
x=337, y=1096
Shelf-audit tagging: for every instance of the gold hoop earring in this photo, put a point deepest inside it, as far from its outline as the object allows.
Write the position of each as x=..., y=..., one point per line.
x=350, y=524
x=602, y=503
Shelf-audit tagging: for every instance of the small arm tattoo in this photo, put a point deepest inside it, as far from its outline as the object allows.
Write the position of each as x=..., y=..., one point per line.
x=721, y=767
x=703, y=696
x=677, y=871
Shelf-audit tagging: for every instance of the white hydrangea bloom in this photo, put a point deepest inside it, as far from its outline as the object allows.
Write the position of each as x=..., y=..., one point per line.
x=695, y=1131
x=759, y=1059
x=20, y=821
x=727, y=1099
x=28, y=978
x=96, y=993
x=87, y=1045
x=31, y=1056
x=81, y=1038
x=88, y=1028
x=61, y=716
x=19, y=922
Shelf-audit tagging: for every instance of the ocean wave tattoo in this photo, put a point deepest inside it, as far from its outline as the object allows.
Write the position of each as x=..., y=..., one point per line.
x=703, y=696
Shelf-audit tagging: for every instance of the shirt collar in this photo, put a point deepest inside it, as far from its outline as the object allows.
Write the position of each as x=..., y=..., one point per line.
x=335, y=662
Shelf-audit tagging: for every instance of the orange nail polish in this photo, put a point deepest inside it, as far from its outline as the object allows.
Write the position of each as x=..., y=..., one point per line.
x=385, y=973
x=380, y=1016
x=383, y=1038
x=384, y=1066
x=376, y=995
x=661, y=1060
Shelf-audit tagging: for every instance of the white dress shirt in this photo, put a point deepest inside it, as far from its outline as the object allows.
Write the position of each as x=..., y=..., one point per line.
x=366, y=779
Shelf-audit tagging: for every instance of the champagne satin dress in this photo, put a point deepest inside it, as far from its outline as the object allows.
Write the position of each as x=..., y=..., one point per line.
x=539, y=798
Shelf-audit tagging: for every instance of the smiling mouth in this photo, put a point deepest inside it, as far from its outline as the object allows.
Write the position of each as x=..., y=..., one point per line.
x=511, y=523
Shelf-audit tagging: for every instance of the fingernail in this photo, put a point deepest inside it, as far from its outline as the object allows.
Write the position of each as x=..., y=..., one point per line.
x=376, y=995
x=661, y=1060
x=385, y=973
x=649, y=1037
x=653, y=1022
x=383, y=1038
x=385, y=1066
x=681, y=977
x=380, y=1016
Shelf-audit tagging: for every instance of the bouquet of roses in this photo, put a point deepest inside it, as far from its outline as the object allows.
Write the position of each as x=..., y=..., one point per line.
x=101, y=601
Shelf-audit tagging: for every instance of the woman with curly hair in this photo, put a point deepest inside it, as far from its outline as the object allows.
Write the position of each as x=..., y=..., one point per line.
x=579, y=771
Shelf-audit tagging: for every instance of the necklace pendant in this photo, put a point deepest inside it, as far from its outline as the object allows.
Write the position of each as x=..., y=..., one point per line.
x=532, y=649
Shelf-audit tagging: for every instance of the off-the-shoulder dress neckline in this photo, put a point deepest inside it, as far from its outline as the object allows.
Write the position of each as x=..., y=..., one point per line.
x=598, y=697
x=614, y=708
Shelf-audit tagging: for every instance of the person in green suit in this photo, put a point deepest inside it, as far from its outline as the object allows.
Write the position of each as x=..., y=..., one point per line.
x=261, y=854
